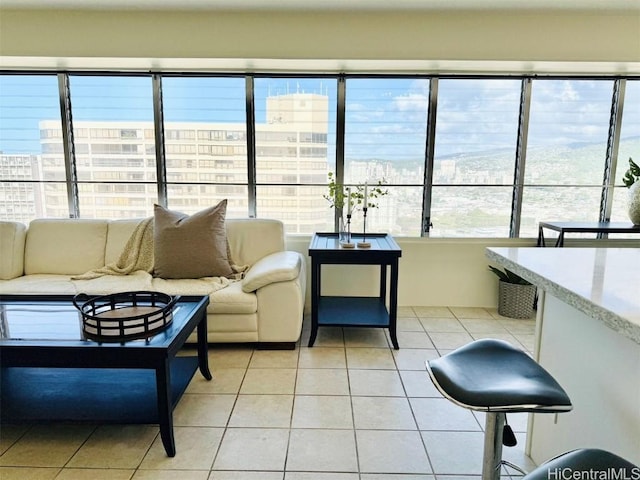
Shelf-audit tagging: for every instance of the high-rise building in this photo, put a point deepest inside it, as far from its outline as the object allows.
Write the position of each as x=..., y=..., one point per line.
x=205, y=162
x=23, y=198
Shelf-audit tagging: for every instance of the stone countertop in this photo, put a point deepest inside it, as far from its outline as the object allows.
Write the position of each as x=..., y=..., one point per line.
x=603, y=283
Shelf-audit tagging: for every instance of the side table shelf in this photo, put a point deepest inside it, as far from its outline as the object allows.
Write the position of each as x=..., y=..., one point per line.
x=355, y=311
x=352, y=311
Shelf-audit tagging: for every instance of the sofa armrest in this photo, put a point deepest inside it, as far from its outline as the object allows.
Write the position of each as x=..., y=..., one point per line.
x=12, y=241
x=276, y=267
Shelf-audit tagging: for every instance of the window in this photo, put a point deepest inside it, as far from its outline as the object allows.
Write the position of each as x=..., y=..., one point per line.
x=177, y=134
x=465, y=183
x=30, y=145
x=385, y=136
x=211, y=135
x=279, y=137
x=172, y=148
x=116, y=110
x=214, y=107
x=629, y=148
x=474, y=158
x=128, y=133
x=289, y=111
x=318, y=152
x=568, y=128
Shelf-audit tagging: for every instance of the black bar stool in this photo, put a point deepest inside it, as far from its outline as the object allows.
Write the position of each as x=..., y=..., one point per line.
x=585, y=460
x=494, y=377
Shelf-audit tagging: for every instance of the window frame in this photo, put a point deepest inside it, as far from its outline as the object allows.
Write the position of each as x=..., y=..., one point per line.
x=609, y=180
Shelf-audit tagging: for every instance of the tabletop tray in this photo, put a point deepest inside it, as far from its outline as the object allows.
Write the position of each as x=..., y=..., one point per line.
x=124, y=316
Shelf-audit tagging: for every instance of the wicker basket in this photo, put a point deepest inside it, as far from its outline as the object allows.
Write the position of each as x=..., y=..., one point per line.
x=124, y=316
x=515, y=300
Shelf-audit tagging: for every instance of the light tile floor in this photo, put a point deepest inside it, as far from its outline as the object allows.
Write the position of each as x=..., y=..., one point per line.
x=350, y=408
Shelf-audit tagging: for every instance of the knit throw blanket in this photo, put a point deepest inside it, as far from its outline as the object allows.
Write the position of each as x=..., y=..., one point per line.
x=137, y=255
x=137, y=259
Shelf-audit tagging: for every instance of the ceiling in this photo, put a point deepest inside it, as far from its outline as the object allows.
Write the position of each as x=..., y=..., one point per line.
x=315, y=5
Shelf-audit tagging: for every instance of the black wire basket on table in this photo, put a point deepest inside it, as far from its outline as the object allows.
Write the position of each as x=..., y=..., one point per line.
x=124, y=316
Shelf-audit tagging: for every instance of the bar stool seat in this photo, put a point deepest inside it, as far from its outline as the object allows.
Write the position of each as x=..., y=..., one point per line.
x=495, y=377
x=585, y=460
x=492, y=375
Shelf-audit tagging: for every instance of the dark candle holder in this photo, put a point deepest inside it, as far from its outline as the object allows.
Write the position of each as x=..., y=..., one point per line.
x=364, y=243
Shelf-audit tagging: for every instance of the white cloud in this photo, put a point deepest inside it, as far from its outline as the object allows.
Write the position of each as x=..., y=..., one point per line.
x=411, y=102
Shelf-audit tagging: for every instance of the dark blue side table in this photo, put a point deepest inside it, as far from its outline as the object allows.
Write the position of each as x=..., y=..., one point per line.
x=355, y=311
x=600, y=228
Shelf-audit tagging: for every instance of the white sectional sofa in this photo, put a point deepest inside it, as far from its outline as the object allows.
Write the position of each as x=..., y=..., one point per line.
x=266, y=306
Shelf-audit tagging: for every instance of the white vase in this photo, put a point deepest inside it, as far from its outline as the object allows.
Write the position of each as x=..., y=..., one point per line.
x=634, y=203
x=342, y=230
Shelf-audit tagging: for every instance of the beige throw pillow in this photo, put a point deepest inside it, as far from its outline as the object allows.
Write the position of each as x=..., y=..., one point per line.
x=191, y=246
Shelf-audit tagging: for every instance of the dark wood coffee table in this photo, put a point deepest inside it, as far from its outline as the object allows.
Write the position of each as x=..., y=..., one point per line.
x=51, y=373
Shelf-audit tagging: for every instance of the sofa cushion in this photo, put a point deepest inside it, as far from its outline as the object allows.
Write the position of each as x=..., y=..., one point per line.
x=12, y=240
x=191, y=246
x=118, y=233
x=38, y=284
x=230, y=299
x=251, y=239
x=64, y=246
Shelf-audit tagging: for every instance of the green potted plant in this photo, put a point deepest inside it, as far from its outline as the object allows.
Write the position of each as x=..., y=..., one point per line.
x=631, y=180
x=361, y=197
x=337, y=195
x=516, y=296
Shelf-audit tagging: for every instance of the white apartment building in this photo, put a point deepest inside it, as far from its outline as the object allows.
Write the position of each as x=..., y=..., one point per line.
x=21, y=199
x=205, y=162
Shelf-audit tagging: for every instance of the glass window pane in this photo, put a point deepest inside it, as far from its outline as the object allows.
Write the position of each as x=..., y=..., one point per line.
x=385, y=130
x=397, y=213
x=569, y=124
x=191, y=198
x=629, y=148
x=115, y=145
x=23, y=201
x=475, y=144
x=476, y=131
x=473, y=211
x=295, y=125
x=579, y=204
x=301, y=208
x=55, y=198
x=31, y=148
x=205, y=142
x=385, y=137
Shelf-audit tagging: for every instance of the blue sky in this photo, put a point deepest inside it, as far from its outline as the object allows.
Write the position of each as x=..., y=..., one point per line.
x=385, y=117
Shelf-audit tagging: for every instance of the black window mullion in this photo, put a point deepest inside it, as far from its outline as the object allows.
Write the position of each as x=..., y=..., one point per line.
x=69, y=146
x=613, y=142
x=158, y=124
x=340, y=138
x=251, y=146
x=520, y=157
x=429, y=157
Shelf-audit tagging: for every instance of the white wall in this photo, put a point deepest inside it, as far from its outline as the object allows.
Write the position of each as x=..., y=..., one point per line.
x=596, y=41
x=432, y=272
